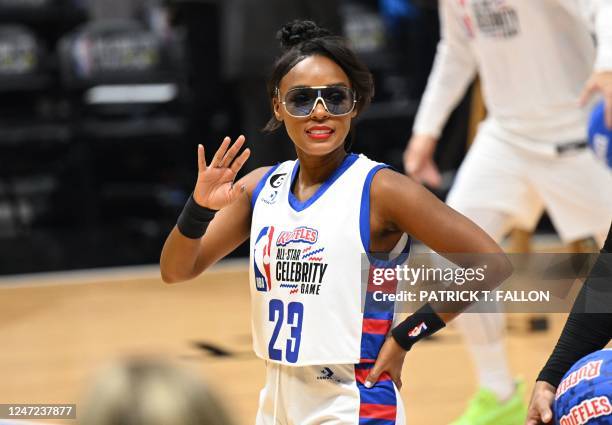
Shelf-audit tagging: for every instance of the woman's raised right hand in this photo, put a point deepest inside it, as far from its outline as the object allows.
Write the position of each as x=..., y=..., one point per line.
x=215, y=187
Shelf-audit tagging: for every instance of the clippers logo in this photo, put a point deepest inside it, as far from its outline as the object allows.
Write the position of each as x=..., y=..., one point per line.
x=589, y=371
x=417, y=330
x=587, y=410
x=300, y=234
x=261, y=259
x=277, y=180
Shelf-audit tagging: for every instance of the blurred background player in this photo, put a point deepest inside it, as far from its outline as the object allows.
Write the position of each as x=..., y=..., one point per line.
x=150, y=391
x=529, y=154
x=589, y=325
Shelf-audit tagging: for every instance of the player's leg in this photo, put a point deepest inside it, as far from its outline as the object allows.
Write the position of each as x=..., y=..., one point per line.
x=499, y=399
x=483, y=325
x=492, y=190
x=270, y=410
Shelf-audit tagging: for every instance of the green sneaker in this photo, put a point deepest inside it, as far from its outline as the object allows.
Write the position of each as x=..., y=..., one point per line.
x=484, y=409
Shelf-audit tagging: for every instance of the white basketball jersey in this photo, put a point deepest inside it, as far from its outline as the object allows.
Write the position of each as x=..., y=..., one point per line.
x=305, y=268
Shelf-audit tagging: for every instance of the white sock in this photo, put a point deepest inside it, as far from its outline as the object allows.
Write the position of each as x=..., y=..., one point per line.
x=483, y=328
x=492, y=369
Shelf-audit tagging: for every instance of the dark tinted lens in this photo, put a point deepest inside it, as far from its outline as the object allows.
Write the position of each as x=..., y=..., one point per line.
x=339, y=100
x=299, y=101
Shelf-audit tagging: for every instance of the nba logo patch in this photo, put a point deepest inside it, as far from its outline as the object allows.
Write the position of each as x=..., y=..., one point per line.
x=261, y=259
x=417, y=330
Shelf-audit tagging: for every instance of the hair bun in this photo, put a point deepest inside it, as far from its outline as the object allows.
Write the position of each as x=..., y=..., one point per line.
x=296, y=32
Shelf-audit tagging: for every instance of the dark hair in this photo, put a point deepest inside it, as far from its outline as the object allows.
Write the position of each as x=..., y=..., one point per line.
x=302, y=39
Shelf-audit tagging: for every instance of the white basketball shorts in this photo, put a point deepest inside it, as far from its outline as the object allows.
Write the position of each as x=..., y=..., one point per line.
x=522, y=178
x=329, y=395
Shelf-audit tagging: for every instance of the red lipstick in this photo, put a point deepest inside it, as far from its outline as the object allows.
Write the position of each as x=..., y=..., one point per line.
x=319, y=132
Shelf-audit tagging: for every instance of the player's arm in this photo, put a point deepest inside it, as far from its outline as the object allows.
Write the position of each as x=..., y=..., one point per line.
x=585, y=332
x=453, y=70
x=183, y=256
x=401, y=205
x=405, y=206
x=600, y=14
x=582, y=334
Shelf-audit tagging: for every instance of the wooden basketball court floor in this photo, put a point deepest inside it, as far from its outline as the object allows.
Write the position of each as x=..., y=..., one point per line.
x=56, y=331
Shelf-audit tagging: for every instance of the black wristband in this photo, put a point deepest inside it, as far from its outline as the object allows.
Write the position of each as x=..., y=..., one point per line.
x=194, y=219
x=424, y=322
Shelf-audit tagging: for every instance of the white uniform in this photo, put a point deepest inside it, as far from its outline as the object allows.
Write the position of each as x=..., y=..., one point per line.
x=307, y=315
x=533, y=58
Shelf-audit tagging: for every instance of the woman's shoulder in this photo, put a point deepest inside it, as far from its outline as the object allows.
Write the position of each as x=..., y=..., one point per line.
x=367, y=161
x=390, y=183
x=255, y=179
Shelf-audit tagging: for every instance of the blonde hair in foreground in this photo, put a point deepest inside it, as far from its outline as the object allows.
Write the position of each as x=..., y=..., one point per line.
x=150, y=392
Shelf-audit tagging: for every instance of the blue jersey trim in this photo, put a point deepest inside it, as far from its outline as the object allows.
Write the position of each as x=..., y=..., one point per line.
x=386, y=315
x=364, y=224
x=382, y=393
x=401, y=258
x=372, y=421
x=364, y=212
x=261, y=184
x=298, y=205
x=371, y=345
x=373, y=306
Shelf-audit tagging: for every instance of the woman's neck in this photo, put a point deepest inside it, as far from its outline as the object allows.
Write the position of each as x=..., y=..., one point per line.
x=314, y=170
